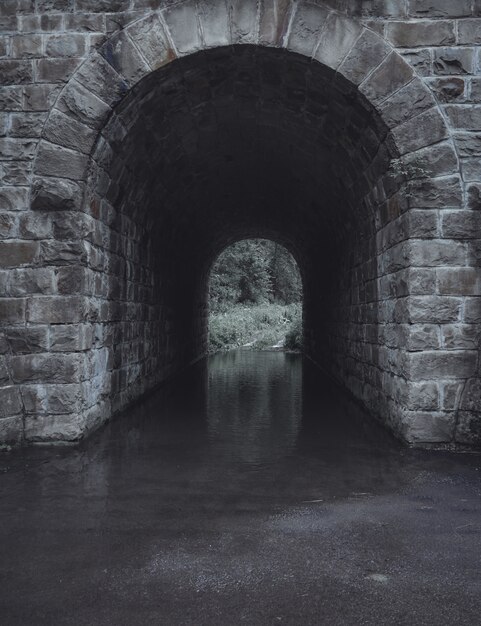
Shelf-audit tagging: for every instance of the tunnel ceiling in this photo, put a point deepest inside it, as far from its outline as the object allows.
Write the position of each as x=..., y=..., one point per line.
x=244, y=141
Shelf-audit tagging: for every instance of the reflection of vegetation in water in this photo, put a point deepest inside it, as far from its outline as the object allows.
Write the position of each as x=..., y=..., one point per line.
x=254, y=405
x=255, y=298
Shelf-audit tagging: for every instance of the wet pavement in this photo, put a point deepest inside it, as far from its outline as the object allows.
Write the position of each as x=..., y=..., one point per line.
x=251, y=491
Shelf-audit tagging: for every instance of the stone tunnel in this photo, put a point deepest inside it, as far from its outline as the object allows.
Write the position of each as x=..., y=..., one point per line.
x=142, y=138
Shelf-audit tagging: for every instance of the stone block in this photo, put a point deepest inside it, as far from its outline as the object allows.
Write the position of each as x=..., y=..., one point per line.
x=419, y=337
x=474, y=197
x=34, y=226
x=433, y=161
x=449, y=89
x=307, y=24
x=14, y=253
x=429, y=427
x=214, y=21
x=53, y=160
x=52, y=194
x=461, y=224
x=57, y=309
x=55, y=70
x=28, y=281
x=26, y=46
x=65, y=45
x=27, y=339
x=40, y=97
x=26, y=124
x=425, y=129
x=8, y=225
x=149, y=36
x=421, y=34
x=67, y=428
x=422, y=396
x=12, y=310
x=459, y=281
x=102, y=6
x=184, y=29
x=471, y=169
x=472, y=310
x=469, y=31
x=436, y=193
x=17, y=149
x=124, y=57
x=456, y=61
x=460, y=336
x=62, y=130
x=63, y=252
x=243, y=21
x=406, y=103
x=15, y=72
x=440, y=8
x=46, y=368
x=11, y=430
x=81, y=104
x=433, y=309
x=419, y=59
x=464, y=117
x=273, y=23
x=85, y=22
x=368, y=52
x=468, y=430
x=433, y=365
x=437, y=252
x=73, y=279
x=391, y=75
x=56, y=6
x=71, y=338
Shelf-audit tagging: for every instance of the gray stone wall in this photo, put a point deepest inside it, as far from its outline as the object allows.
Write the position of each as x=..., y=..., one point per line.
x=92, y=313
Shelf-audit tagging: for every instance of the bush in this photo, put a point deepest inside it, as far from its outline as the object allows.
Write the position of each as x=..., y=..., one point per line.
x=257, y=327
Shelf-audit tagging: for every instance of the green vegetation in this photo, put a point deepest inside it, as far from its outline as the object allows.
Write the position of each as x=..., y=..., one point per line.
x=255, y=298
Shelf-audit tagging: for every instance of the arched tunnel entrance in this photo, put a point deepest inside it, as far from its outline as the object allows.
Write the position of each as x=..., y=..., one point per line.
x=233, y=143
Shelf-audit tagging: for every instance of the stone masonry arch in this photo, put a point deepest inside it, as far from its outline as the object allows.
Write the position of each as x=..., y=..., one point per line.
x=391, y=297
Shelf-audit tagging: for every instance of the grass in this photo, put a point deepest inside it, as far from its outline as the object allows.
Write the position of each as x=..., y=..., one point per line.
x=258, y=327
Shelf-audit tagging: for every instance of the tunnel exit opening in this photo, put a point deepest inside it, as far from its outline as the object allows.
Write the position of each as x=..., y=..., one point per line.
x=255, y=298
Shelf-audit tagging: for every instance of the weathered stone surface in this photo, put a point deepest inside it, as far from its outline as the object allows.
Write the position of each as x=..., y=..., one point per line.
x=55, y=160
x=406, y=103
x=425, y=33
x=273, y=21
x=469, y=31
x=12, y=310
x=11, y=429
x=459, y=281
x=460, y=336
x=432, y=365
x=465, y=117
x=439, y=8
x=368, y=52
x=183, y=27
x=436, y=193
x=430, y=427
x=28, y=339
x=52, y=194
x=15, y=72
x=54, y=427
x=215, y=26
x=55, y=70
x=71, y=338
x=81, y=104
x=124, y=57
x=65, y=131
x=46, y=368
x=433, y=309
x=468, y=429
x=455, y=61
x=56, y=309
x=419, y=59
x=30, y=281
x=425, y=129
x=65, y=45
x=432, y=252
x=389, y=77
x=306, y=26
x=14, y=253
x=243, y=21
x=63, y=252
x=451, y=89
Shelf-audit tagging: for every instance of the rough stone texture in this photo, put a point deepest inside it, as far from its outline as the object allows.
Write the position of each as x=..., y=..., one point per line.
x=124, y=171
